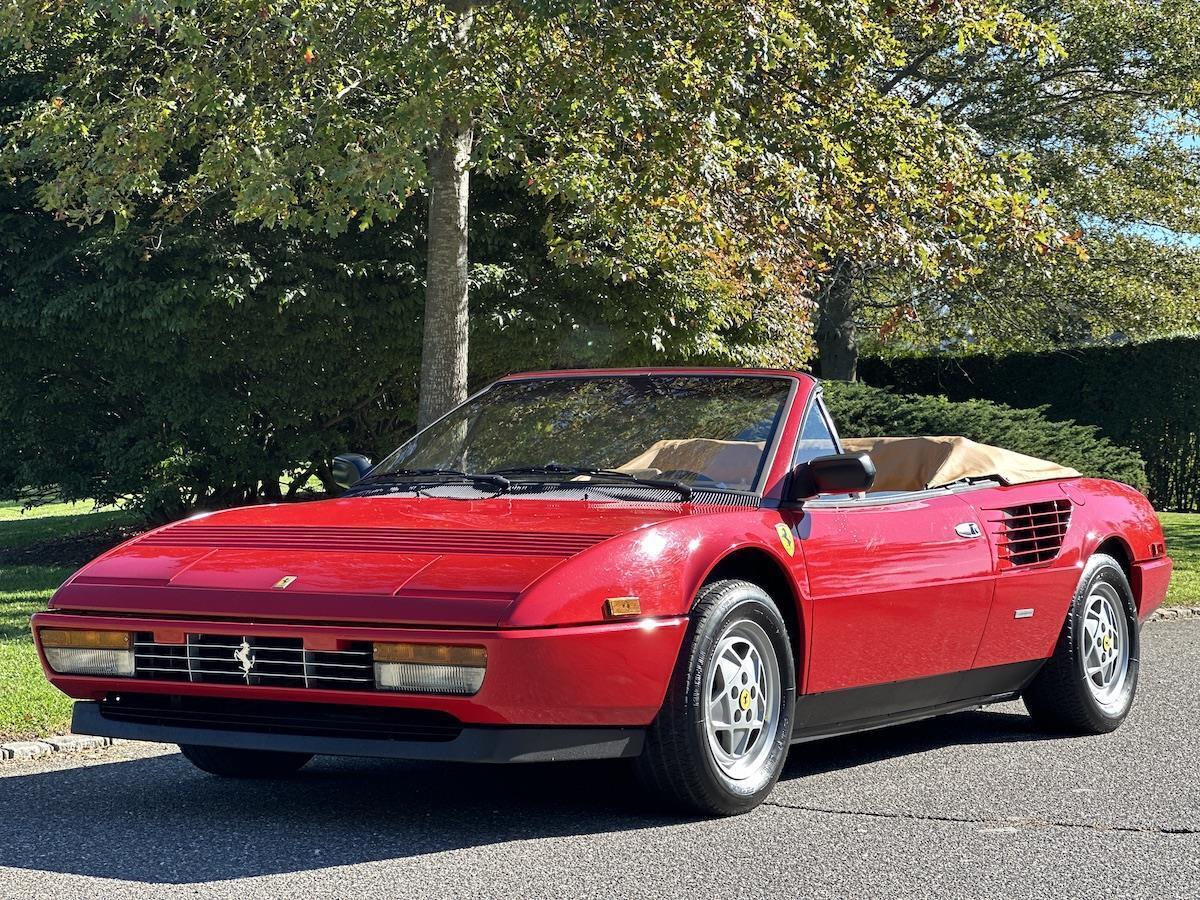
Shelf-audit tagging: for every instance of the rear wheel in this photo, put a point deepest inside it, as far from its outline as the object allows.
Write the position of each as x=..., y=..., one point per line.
x=230, y=762
x=722, y=736
x=1088, y=686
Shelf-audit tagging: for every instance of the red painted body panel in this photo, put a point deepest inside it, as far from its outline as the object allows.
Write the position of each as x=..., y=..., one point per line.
x=534, y=677
x=880, y=592
x=897, y=594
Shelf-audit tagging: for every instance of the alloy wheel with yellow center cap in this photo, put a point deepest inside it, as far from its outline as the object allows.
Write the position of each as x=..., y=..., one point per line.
x=744, y=682
x=1104, y=648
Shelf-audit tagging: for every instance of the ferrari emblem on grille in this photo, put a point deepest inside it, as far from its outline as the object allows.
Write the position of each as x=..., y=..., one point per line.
x=786, y=538
x=243, y=658
x=283, y=582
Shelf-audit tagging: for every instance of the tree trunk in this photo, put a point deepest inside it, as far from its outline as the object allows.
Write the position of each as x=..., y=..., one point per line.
x=837, y=340
x=444, y=346
x=446, y=332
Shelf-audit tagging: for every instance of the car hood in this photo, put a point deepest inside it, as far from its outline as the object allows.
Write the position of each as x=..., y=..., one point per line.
x=421, y=561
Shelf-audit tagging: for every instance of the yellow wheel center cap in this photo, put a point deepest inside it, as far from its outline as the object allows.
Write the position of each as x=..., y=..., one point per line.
x=744, y=700
x=1107, y=643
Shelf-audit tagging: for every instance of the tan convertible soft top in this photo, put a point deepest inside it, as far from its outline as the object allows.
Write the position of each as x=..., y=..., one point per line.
x=917, y=463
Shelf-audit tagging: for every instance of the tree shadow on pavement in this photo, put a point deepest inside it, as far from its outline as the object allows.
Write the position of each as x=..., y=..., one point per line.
x=157, y=820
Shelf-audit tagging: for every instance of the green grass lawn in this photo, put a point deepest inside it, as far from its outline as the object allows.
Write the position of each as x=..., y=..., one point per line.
x=30, y=707
x=1183, y=545
x=23, y=528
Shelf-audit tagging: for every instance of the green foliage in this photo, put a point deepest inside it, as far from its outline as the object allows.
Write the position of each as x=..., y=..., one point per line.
x=1143, y=395
x=862, y=411
x=653, y=182
x=1108, y=132
x=208, y=363
x=733, y=144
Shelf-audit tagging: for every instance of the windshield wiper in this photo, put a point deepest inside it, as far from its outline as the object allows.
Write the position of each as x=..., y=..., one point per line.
x=684, y=490
x=491, y=478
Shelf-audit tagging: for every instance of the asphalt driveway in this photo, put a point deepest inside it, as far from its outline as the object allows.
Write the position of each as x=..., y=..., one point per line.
x=977, y=804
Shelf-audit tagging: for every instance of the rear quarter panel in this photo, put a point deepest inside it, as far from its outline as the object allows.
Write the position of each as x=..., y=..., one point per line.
x=1102, y=513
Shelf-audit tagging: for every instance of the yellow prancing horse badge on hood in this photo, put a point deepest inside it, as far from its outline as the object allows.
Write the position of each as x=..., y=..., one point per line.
x=786, y=538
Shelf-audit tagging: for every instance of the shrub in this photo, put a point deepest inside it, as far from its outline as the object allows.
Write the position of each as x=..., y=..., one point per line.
x=862, y=411
x=1144, y=395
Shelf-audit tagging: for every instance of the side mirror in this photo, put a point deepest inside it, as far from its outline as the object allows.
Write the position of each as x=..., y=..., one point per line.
x=841, y=473
x=349, y=468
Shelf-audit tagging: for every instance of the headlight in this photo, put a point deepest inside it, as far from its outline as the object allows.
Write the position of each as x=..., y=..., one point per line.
x=429, y=668
x=73, y=652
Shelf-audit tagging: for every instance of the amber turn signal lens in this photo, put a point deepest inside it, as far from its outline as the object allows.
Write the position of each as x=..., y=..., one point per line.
x=431, y=654
x=623, y=606
x=85, y=640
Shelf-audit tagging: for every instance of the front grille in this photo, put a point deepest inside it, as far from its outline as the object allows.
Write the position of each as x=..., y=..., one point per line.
x=282, y=717
x=253, y=660
x=1032, y=533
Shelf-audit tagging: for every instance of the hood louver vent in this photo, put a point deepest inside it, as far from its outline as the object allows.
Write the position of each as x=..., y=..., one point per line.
x=366, y=540
x=1032, y=533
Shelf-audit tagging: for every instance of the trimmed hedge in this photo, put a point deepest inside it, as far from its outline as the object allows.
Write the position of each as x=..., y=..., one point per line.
x=1145, y=396
x=862, y=411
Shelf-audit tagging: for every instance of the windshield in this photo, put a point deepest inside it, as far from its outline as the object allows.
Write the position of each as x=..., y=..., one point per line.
x=702, y=431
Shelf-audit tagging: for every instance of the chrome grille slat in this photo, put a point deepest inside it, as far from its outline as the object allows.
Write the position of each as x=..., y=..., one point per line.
x=236, y=646
x=273, y=675
x=282, y=661
x=274, y=662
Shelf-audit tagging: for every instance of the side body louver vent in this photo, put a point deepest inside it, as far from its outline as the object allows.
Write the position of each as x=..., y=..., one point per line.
x=1031, y=534
x=366, y=540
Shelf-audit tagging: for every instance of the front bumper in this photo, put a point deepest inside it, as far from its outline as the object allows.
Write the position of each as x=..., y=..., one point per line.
x=589, y=676
x=484, y=744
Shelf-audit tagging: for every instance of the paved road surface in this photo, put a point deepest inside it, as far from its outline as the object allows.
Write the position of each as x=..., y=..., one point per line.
x=977, y=804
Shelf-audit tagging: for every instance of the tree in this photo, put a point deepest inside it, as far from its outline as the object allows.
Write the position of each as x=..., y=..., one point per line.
x=734, y=146
x=1106, y=129
x=203, y=362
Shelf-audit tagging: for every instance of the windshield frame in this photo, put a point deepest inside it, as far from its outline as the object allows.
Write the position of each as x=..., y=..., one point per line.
x=769, y=451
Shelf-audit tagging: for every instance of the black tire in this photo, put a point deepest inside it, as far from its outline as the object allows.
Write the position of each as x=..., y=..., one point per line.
x=677, y=763
x=229, y=762
x=1059, y=698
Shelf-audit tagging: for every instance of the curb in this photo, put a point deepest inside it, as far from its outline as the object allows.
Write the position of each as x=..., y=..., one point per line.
x=63, y=743
x=1167, y=613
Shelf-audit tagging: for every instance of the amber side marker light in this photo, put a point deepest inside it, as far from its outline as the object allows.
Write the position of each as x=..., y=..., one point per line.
x=72, y=651
x=429, y=668
x=619, y=607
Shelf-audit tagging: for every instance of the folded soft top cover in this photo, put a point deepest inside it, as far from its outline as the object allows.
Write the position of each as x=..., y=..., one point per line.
x=917, y=463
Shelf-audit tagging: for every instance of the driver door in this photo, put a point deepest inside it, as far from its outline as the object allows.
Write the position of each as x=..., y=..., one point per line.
x=900, y=589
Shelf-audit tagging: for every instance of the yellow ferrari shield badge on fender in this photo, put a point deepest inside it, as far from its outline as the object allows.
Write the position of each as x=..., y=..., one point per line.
x=786, y=538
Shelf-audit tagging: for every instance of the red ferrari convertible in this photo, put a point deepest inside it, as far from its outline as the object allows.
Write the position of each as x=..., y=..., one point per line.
x=683, y=566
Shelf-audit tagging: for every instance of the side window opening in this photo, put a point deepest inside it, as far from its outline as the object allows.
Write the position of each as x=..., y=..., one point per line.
x=817, y=437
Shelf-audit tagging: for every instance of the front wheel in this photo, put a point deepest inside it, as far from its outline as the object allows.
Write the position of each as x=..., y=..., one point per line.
x=1088, y=686
x=230, y=762
x=721, y=739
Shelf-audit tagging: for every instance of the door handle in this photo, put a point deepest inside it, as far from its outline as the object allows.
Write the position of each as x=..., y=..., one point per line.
x=967, y=530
